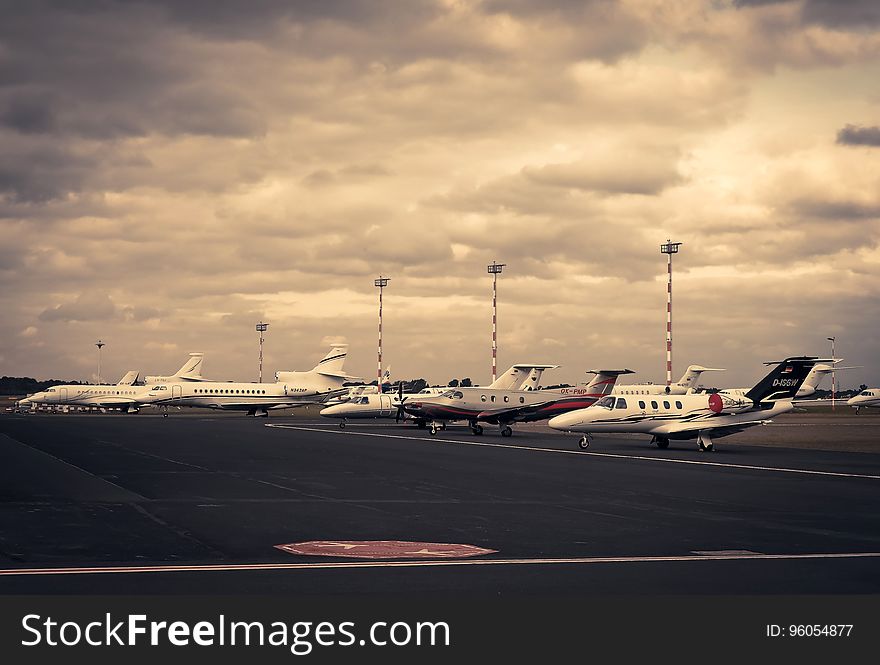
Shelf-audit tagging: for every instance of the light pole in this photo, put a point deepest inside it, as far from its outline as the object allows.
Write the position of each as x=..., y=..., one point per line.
x=495, y=270
x=100, y=345
x=669, y=249
x=833, y=382
x=381, y=282
x=261, y=328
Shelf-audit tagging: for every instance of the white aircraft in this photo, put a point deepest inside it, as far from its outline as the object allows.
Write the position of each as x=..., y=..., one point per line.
x=363, y=389
x=290, y=389
x=124, y=395
x=866, y=398
x=504, y=406
x=698, y=416
x=687, y=383
x=378, y=405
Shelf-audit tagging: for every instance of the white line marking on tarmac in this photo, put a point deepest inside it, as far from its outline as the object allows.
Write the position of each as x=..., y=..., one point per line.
x=671, y=460
x=344, y=565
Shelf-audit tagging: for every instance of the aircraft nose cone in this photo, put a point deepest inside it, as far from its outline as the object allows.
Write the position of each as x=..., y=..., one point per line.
x=330, y=411
x=565, y=421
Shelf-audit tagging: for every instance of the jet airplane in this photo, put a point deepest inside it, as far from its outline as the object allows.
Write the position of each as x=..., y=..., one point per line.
x=696, y=416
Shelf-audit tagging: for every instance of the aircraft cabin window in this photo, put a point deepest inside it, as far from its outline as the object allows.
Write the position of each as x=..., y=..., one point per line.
x=482, y=398
x=621, y=403
x=641, y=404
x=522, y=399
x=665, y=404
x=654, y=405
x=506, y=398
x=492, y=398
x=678, y=404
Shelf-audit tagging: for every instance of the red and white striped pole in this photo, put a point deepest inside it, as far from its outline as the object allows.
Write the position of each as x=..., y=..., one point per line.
x=382, y=282
x=669, y=249
x=495, y=270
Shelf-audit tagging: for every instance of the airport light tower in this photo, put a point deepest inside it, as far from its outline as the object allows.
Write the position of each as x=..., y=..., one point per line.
x=495, y=270
x=261, y=328
x=100, y=346
x=833, y=382
x=669, y=249
x=381, y=282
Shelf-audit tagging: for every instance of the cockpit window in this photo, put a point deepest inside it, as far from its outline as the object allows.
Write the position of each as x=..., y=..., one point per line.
x=363, y=400
x=457, y=395
x=607, y=402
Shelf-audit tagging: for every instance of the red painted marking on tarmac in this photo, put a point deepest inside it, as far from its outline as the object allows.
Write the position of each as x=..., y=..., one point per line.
x=384, y=549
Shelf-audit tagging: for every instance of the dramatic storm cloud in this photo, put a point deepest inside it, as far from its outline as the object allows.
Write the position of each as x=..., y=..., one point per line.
x=173, y=172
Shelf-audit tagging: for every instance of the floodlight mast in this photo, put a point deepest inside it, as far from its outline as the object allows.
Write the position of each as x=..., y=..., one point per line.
x=669, y=248
x=495, y=269
x=381, y=282
x=833, y=382
x=100, y=346
x=261, y=328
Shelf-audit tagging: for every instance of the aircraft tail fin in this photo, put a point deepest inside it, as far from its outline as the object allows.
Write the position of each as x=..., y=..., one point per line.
x=332, y=363
x=129, y=379
x=192, y=368
x=784, y=379
x=521, y=377
x=605, y=379
x=692, y=375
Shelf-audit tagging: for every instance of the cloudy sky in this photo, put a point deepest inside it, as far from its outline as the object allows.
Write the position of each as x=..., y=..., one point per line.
x=173, y=172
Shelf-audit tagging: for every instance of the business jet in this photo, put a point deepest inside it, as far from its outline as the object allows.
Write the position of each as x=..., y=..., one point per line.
x=687, y=383
x=291, y=389
x=696, y=416
x=865, y=399
x=379, y=405
x=124, y=395
x=355, y=392
x=504, y=406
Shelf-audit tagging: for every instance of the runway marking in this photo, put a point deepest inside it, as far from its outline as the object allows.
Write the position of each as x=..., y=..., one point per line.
x=670, y=460
x=344, y=565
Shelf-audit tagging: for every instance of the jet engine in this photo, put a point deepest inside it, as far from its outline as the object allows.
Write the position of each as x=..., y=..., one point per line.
x=729, y=403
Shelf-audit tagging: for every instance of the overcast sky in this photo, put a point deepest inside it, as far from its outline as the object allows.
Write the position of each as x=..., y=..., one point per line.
x=173, y=172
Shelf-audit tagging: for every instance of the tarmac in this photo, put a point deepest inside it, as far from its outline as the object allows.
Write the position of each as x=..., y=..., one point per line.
x=196, y=503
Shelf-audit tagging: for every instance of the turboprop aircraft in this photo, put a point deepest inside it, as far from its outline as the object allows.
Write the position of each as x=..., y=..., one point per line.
x=379, y=405
x=687, y=383
x=504, y=406
x=290, y=389
x=865, y=399
x=123, y=395
x=696, y=416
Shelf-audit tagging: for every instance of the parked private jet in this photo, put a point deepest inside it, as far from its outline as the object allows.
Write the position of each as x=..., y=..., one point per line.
x=191, y=371
x=123, y=395
x=379, y=405
x=291, y=389
x=865, y=399
x=809, y=386
x=687, y=383
x=697, y=416
x=504, y=406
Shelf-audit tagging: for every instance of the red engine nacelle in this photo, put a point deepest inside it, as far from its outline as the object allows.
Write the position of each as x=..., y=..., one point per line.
x=728, y=404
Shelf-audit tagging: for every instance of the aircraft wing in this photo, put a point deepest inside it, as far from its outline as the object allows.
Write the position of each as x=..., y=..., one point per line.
x=690, y=429
x=116, y=401
x=513, y=413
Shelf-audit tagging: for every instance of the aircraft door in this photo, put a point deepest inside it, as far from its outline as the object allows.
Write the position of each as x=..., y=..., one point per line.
x=176, y=392
x=384, y=405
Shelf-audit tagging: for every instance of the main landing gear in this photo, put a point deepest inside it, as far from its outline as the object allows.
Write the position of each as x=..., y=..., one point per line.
x=506, y=431
x=585, y=442
x=476, y=429
x=704, y=442
x=661, y=441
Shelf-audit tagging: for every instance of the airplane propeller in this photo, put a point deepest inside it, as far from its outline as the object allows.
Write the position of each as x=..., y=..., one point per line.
x=401, y=414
